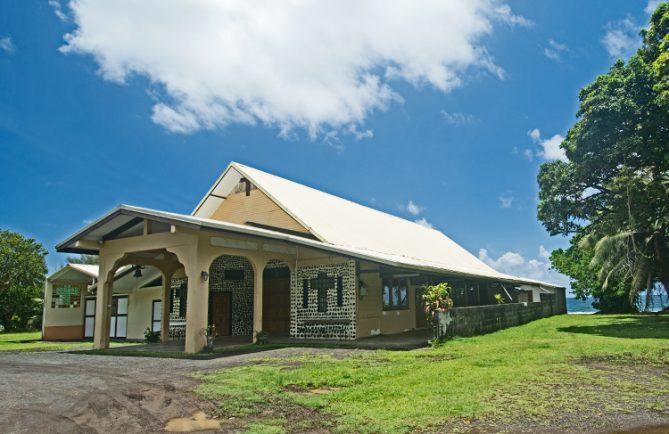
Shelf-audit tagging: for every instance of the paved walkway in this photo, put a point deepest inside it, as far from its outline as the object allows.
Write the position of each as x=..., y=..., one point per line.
x=402, y=341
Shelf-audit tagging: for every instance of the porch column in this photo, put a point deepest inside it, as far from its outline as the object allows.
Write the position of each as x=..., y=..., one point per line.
x=103, y=301
x=258, y=269
x=197, y=301
x=165, y=304
x=48, y=294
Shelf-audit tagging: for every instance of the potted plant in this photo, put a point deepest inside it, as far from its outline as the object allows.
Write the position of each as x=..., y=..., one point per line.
x=262, y=337
x=210, y=336
x=437, y=300
x=151, y=337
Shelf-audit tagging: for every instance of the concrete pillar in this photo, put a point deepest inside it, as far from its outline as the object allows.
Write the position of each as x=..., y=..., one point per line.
x=197, y=309
x=165, y=303
x=48, y=293
x=258, y=269
x=103, y=304
x=195, y=262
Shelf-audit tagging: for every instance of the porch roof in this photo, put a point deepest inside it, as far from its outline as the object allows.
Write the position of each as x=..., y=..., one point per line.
x=126, y=219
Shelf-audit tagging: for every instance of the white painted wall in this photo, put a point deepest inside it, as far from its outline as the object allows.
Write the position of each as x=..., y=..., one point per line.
x=140, y=303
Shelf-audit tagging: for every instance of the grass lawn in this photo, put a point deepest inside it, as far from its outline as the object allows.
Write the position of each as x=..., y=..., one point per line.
x=30, y=341
x=549, y=373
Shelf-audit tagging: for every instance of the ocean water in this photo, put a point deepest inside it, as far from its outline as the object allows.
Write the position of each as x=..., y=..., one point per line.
x=578, y=306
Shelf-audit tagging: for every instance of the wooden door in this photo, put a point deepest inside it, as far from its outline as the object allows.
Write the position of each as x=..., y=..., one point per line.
x=220, y=305
x=276, y=306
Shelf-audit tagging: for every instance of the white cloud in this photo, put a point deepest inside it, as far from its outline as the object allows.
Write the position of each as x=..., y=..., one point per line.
x=458, y=118
x=554, y=50
x=529, y=154
x=535, y=135
x=58, y=10
x=652, y=5
x=413, y=208
x=551, y=149
x=506, y=199
x=7, y=45
x=621, y=38
x=543, y=252
x=423, y=222
x=534, y=268
x=313, y=66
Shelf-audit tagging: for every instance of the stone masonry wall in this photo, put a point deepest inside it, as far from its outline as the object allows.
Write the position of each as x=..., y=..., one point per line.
x=338, y=322
x=242, y=291
x=477, y=320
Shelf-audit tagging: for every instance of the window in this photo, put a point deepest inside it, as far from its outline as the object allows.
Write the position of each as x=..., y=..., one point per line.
x=66, y=295
x=340, y=291
x=119, y=317
x=233, y=274
x=89, y=317
x=156, y=315
x=395, y=294
x=305, y=293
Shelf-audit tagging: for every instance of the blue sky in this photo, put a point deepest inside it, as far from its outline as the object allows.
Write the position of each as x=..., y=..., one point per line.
x=451, y=110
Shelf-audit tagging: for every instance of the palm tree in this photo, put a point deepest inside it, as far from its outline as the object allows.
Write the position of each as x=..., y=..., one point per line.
x=638, y=258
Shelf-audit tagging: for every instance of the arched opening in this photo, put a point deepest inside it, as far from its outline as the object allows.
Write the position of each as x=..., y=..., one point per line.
x=131, y=297
x=276, y=298
x=231, y=296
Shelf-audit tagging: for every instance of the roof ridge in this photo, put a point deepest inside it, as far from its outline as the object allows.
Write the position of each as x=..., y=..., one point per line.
x=338, y=197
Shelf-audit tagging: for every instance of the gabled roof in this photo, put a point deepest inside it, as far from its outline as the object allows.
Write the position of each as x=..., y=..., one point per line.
x=340, y=222
x=85, y=269
x=123, y=277
x=340, y=226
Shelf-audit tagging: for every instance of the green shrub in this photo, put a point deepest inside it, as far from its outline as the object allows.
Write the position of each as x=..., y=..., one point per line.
x=151, y=336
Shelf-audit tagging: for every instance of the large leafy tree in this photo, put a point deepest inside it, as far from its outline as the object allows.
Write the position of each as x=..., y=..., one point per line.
x=614, y=190
x=575, y=262
x=22, y=274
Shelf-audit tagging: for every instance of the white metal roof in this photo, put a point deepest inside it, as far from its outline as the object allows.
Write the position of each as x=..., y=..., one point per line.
x=123, y=279
x=354, y=227
x=88, y=269
x=340, y=226
x=122, y=213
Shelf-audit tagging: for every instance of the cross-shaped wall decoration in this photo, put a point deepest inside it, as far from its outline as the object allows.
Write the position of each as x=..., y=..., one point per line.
x=321, y=284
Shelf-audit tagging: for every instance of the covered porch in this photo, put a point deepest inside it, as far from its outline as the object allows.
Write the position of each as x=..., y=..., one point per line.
x=231, y=345
x=218, y=280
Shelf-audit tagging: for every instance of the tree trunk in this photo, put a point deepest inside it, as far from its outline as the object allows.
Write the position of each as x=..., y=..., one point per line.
x=660, y=245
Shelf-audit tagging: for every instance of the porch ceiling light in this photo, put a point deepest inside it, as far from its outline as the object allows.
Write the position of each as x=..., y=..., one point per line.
x=138, y=271
x=362, y=288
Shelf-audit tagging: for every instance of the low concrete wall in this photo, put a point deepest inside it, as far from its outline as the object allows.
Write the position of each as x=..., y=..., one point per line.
x=477, y=320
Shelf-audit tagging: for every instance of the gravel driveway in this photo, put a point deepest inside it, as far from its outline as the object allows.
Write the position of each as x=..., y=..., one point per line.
x=68, y=393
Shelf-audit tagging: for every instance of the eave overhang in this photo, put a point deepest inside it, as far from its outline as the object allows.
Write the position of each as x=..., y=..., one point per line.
x=94, y=234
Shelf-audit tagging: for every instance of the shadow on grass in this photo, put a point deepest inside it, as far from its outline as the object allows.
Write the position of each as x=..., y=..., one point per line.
x=645, y=326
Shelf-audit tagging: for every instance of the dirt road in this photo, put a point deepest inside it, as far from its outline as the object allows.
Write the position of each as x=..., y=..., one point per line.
x=68, y=393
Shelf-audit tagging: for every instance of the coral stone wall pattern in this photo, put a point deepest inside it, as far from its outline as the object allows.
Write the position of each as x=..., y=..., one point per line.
x=338, y=322
x=242, y=291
